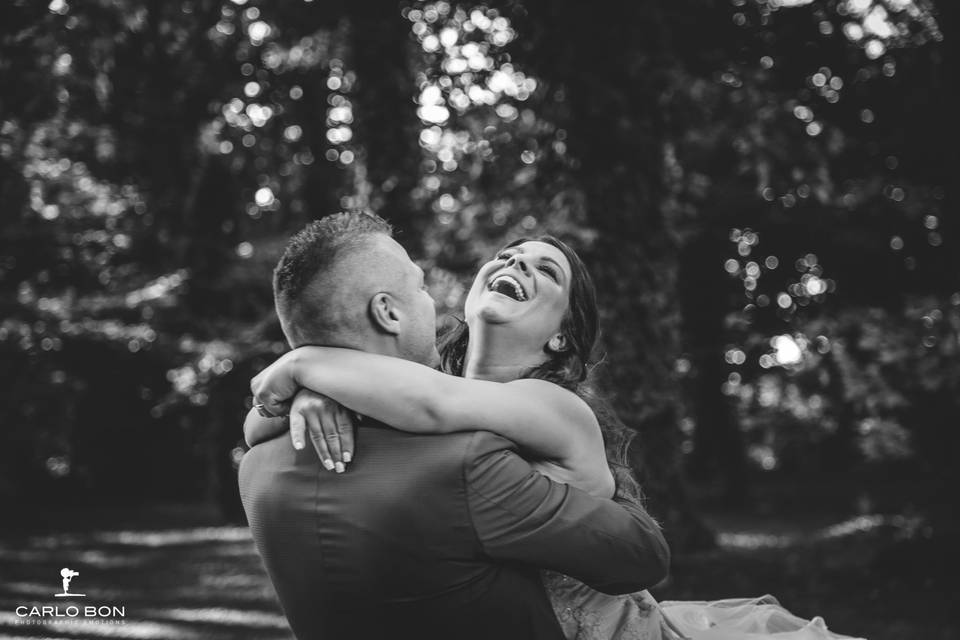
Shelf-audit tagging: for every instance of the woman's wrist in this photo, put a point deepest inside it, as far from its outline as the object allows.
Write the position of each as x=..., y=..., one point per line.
x=294, y=364
x=300, y=358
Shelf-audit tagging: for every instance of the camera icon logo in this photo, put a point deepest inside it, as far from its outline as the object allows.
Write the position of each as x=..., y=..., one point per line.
x=68, y=575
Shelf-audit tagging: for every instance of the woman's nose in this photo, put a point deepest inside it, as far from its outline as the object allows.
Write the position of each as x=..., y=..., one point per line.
x=519, y=262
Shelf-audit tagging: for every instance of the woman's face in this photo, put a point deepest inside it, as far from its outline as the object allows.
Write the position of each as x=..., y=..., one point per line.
x=526, y=287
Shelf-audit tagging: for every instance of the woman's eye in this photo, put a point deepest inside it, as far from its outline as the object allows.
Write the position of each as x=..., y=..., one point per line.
x=503, y=256
x=549, y=271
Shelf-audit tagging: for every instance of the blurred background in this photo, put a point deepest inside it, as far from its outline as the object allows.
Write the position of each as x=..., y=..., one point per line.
x=762, y=189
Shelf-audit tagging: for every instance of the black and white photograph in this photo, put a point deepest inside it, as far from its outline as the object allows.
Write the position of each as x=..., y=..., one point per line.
x=515, y=320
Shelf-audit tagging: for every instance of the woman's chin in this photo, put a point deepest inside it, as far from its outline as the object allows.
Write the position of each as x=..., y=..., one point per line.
x=493, y=313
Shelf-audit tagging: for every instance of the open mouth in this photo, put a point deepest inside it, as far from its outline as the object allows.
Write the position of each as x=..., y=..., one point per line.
x=509, y=286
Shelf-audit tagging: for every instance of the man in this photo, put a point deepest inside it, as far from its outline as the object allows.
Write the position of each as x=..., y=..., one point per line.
x=437, y=536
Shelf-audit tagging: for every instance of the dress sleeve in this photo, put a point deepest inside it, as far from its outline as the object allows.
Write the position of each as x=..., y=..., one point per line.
x=521, y=515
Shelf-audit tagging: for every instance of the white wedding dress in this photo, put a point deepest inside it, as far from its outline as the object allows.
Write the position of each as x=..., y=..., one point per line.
x=586, y=614
x=743, y=619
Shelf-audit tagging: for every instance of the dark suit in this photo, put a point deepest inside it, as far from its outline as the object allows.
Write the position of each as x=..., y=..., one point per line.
x=435, y=536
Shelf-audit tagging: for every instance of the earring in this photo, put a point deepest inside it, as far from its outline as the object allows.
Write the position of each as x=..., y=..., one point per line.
x=557, y=344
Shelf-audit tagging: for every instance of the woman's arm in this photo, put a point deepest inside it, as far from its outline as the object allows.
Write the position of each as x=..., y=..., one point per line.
x=543, y=418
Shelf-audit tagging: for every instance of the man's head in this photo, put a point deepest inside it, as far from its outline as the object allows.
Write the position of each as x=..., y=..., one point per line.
x=343, y=281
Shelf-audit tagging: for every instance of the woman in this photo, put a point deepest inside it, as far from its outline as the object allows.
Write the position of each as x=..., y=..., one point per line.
x=517, y=367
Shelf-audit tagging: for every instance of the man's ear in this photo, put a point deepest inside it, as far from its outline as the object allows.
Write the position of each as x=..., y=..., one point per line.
x=557, y=344
x=384, y=313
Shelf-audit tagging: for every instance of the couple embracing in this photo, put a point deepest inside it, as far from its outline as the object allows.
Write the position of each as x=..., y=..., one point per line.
x=486, y=494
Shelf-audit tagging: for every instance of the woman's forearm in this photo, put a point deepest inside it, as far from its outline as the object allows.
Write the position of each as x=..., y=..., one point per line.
x=401, y=393
x=544, y=419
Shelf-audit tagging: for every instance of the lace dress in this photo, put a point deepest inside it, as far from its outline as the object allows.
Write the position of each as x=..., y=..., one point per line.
x=586, y=614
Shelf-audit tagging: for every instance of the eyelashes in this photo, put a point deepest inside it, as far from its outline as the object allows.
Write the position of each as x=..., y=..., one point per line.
x=550, y=272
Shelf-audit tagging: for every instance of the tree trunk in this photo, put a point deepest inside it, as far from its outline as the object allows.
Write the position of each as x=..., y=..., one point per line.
x=385, y=114
x=606, y=82
x=718, y=452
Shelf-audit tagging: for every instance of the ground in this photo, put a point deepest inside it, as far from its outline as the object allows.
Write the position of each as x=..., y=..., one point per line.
x=179, y=572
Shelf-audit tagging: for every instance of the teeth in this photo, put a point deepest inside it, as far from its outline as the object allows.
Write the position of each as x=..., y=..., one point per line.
x=518, y=290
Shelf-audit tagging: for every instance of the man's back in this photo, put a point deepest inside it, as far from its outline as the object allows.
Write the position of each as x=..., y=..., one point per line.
x=389, y=548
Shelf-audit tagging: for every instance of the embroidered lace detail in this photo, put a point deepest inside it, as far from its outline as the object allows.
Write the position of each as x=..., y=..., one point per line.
x=586, y=614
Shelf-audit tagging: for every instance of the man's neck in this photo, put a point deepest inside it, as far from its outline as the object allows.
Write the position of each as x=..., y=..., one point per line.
x=368, y=342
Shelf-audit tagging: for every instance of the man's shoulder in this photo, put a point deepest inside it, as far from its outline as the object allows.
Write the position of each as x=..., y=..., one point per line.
x=486, y=442
x=381, y=447
x=492, y=460
x=462, y=449
x=473, y=444
x=272, y=449
x=481, y=440
x=266, y=458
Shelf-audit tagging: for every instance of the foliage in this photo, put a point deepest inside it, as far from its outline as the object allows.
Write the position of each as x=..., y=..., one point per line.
x=758, y=187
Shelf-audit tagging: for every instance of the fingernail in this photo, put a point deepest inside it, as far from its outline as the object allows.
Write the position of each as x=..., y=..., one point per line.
x=328, y=464
x=340, y=468
x=298, y=444
x=347, y=456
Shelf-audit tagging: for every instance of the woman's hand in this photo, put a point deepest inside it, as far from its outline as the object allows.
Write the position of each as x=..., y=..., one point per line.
x=330, y=426
x=274, y=387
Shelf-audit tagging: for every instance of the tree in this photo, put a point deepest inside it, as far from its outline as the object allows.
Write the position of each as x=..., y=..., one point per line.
x=732, y=173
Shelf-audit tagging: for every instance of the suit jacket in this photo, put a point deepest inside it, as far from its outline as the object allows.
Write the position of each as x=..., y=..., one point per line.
x=438, y=536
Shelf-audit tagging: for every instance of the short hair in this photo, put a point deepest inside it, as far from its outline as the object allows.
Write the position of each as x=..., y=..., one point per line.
x=312, y=253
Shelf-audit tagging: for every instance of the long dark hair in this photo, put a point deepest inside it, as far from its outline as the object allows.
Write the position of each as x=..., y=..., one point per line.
x=570, y=367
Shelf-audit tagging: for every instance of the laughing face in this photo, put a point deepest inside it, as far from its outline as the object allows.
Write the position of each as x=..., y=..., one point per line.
x=526, y=287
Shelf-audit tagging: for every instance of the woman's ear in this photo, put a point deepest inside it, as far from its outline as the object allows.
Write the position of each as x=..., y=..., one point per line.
x=384, y=313
x=557, y=344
